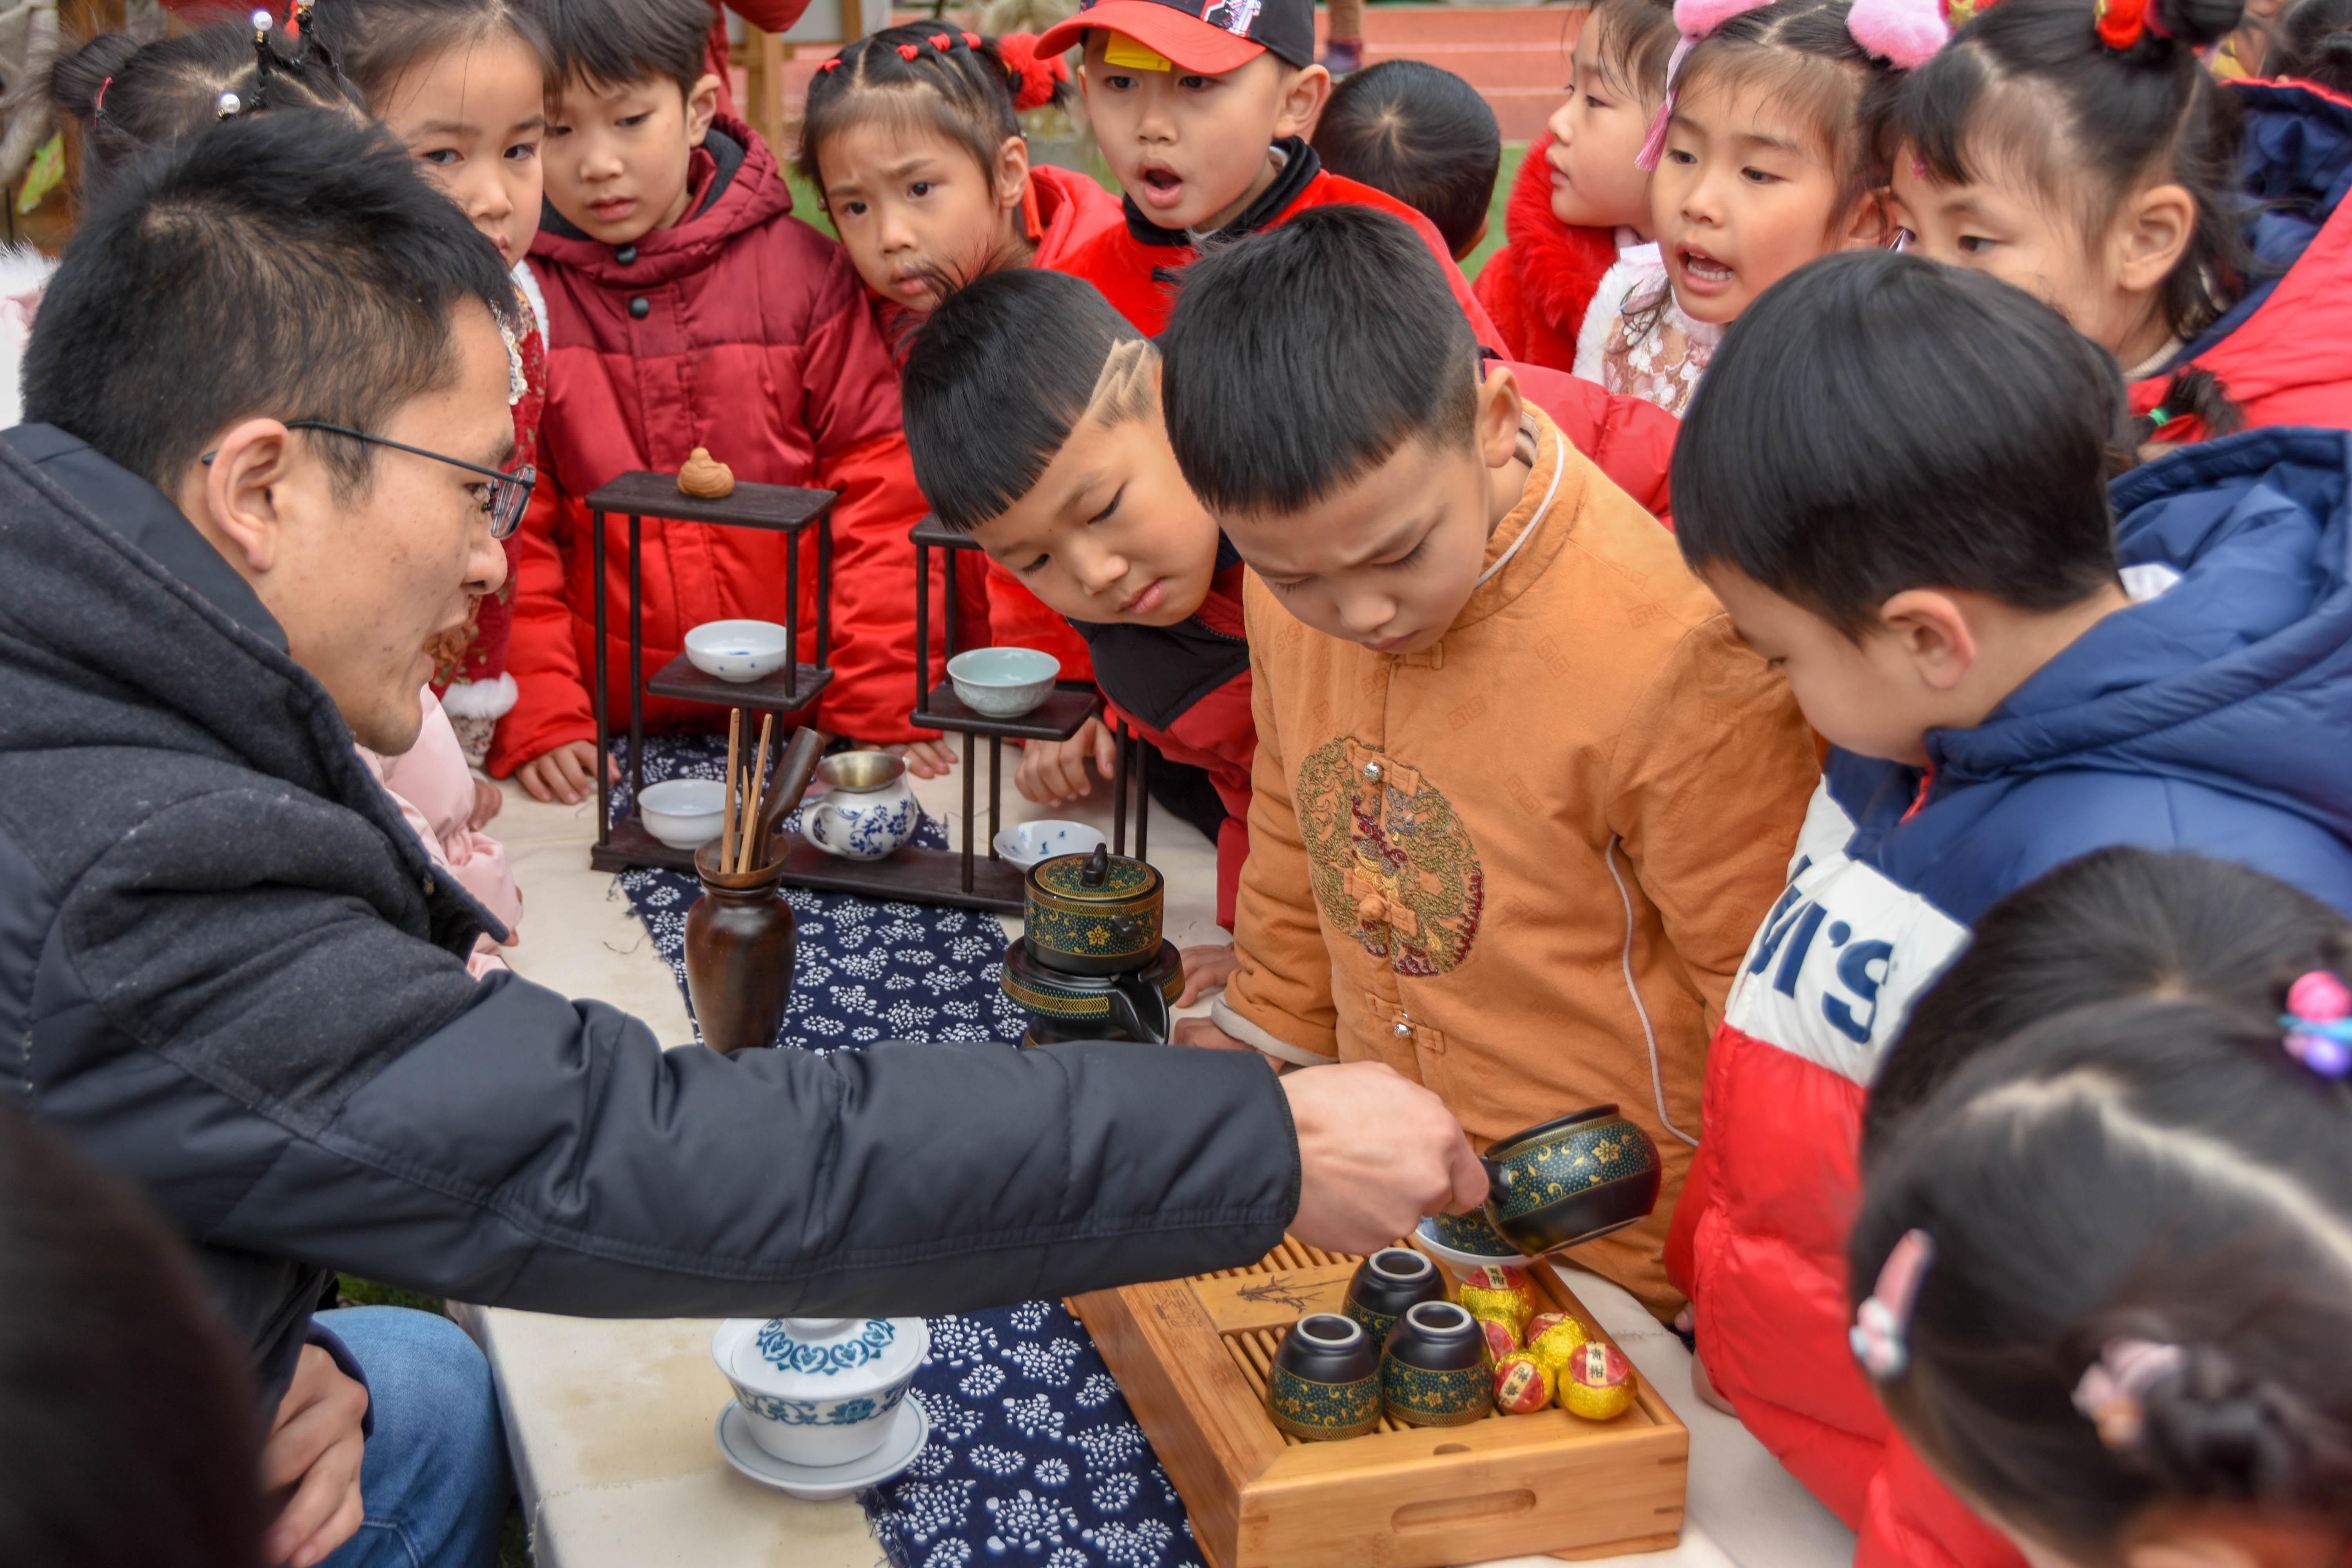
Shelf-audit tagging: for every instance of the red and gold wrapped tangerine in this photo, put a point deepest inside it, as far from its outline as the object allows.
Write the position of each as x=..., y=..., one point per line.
x=1596, y=1383
x=1500, y=1340
x=1523, y=1385
x=1542, y=1322
x=1500, y=1295
x=1556, y=1343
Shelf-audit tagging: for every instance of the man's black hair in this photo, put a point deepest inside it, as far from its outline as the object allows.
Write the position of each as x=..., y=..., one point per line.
x=292, y=265
x=1299, y=359
x=999, y=376
x=1876, y=422
x=1420, y=133
x=616, y=42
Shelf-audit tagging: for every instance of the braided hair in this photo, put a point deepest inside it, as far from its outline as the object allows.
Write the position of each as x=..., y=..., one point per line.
x=2140, y=1217
x=969, y=88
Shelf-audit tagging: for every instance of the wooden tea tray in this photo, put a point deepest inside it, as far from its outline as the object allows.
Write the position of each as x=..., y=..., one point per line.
x=1191, y=1356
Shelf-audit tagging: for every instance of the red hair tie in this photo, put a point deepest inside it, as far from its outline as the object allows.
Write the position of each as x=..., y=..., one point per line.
x=1032, y=76
x=97, y=104
x=909, y=51
x=2122, y=23
x=971, y=40
x=942, y=42
x=832, y=64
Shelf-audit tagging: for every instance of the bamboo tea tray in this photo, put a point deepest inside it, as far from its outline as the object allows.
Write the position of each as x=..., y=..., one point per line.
x=1191, y=1356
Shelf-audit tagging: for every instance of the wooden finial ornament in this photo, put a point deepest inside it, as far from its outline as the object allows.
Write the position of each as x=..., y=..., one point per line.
x=704, y=478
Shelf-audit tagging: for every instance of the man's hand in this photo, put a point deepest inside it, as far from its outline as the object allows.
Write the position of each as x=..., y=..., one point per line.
x=567, y=773
x=488, y=801
x=312, y=1458
x=1375, y=1153
x=1053, y=772
x=924, y=759
x=1207, y=969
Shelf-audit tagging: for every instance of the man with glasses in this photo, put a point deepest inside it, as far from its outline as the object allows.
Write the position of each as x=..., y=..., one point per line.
x=264, y=468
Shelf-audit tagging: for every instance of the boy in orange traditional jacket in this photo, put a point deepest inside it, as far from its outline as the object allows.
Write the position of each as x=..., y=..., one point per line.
x=1521, y=795
x=686, y=307
x=1203, y=114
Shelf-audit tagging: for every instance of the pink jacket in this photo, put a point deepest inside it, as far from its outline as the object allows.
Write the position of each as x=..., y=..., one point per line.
x=435, y=791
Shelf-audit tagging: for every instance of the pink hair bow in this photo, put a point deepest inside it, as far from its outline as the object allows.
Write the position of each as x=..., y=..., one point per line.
x=1881, y=1334
x=1904, y=33
x=2114, y=1388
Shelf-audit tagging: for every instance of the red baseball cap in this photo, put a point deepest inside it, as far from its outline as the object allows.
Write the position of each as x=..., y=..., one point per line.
x=1211, y=38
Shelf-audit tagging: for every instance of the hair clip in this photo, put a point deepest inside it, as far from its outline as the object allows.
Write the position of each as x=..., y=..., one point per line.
x=1696, y=19
x=2112, y=1387
x=227, y=105
x=2121, y=22
x=909, y=51
x=1906, y=34
x=2318, y=1024
x=1881, y=1334
x=97, y=104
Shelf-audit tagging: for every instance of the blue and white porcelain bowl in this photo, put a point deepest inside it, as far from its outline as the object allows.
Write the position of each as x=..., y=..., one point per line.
x=1003, y=682
x=820, y=1391
x=738, y=651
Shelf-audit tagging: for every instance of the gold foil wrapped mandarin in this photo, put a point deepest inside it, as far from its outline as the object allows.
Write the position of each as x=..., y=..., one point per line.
x=1556, y=1343
x=704, y=478
x=1500, y=1295
x=1523, y=1385
x=1597, y=1384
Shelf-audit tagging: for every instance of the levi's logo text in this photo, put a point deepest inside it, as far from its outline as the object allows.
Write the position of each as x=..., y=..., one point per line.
x=1835, y=967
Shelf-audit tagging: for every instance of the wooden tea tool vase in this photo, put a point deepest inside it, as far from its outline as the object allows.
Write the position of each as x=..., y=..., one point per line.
x=739, y=937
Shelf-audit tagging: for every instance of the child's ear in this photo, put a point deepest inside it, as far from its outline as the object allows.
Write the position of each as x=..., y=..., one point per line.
x=701, y=109
x=1303, y=97
x=2151, y=235
x=1011, y=173
x=1500, y=411
x=1869, y=224
x=1934, y=635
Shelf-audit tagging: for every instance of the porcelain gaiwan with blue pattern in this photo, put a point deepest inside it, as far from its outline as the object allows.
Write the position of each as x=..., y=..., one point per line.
x=820, y=1391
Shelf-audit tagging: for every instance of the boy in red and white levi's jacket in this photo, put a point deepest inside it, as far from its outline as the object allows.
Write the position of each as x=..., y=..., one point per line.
x=1193, y=163
x=687, y=308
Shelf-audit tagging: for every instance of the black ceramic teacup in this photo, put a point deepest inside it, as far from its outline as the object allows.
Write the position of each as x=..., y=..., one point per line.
x=1385, y=1285
x=1327, y=1379
x=1436, y=1370
x=1571, y=1180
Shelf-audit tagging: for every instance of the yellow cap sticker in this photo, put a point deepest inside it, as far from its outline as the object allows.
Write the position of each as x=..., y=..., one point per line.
x=1123, y=51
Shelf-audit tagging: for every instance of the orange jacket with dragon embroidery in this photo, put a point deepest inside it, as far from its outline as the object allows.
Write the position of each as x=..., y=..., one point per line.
x=1458, y=858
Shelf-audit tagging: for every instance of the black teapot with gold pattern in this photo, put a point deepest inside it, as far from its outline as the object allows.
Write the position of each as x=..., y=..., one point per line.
x=1092, y=965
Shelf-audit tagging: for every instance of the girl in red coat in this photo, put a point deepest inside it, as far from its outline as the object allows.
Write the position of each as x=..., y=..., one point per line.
x=913, y=136
x=1579, y=217
x=2195, y=230
x=2104, y=1267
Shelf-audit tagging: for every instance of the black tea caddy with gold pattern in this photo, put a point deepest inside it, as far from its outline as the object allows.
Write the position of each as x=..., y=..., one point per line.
x=1092, y=963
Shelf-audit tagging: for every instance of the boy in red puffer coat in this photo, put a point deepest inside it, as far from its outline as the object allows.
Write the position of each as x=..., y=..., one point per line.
x=687, y=308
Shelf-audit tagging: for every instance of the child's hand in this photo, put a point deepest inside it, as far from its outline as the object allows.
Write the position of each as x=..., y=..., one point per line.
x=1202, y=1033
x=1207, y=969
x=566, y=774
x=924, y=759
x=1054, y=771
x=488, y=802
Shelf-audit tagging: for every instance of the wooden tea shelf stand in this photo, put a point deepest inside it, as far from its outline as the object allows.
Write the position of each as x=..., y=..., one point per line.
x=989, y=881
x=963, y=876
x=1193, y=1355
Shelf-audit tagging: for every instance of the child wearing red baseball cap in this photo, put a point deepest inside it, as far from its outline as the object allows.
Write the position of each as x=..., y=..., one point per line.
x=1202, y=111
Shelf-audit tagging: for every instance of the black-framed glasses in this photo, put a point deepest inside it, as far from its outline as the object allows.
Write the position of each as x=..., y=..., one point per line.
x=504, y=495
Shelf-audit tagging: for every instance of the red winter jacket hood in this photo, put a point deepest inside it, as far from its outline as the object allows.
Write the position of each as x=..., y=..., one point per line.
x=744, y=331
x=2283, y=353
x=1122, y=261
x=1538, y=286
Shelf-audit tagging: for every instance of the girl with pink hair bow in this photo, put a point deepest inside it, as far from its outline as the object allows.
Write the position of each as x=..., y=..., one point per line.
x=1763, y=162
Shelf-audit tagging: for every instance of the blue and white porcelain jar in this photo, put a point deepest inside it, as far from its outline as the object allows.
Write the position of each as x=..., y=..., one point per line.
x=820, y=1391
x=867, y=810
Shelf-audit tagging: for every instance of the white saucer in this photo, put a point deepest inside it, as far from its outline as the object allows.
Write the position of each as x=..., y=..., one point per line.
x=909, y=1430
x=1424, y=1235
